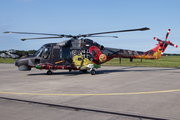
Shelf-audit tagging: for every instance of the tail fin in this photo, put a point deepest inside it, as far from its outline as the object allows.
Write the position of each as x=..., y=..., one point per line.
x=154, y=53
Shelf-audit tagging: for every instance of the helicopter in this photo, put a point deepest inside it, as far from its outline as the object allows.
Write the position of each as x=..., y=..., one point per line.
x=11, y=53
x=81, y=53
x=14, y=54
x=3, y=55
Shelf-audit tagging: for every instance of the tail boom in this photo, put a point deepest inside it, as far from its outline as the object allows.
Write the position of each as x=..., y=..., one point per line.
x=154, y=53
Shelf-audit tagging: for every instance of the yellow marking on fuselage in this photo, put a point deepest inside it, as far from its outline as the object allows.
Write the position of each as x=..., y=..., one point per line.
x=59, y=61
x=78, y=60
x=102, y=94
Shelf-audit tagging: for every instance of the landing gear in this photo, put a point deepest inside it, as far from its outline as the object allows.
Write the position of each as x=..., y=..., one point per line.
x=91, y=69
x=49, y=72
x=93, y=72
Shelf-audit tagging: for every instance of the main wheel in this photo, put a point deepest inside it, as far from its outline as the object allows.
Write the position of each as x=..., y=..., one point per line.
x=93, y=72
x=49, y=72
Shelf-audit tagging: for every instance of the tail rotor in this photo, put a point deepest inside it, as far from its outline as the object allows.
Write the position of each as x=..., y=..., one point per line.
x=164, y=43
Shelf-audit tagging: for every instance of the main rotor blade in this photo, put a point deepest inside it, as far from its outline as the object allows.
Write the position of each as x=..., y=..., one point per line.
x=39, y=38
x=70, y=36
x=104, y=36
x=34, y=33
x=140, y=29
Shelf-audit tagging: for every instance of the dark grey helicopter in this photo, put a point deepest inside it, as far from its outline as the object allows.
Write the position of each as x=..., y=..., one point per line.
x=80, y=53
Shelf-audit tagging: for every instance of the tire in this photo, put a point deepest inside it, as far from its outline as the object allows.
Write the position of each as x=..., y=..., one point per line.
x=93, y=72
x=49, y=72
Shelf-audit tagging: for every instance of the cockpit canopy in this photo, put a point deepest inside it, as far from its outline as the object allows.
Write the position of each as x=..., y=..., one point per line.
x=44, y=51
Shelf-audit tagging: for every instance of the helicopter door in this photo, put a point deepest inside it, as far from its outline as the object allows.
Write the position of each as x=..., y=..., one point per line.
x=65, y=55
x=56, y=60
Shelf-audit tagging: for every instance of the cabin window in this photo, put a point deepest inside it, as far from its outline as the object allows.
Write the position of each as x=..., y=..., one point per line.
x=65, y=53
x=46, y=53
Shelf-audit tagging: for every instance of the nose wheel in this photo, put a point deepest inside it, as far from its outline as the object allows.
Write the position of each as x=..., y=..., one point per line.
x=49, y=72
x=91, y=69
x=93, y=72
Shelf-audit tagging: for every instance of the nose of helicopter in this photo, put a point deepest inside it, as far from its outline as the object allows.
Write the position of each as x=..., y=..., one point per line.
x=16, y=63
x=22, y=64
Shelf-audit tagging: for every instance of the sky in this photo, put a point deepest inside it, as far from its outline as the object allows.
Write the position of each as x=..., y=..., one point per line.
x=90, y=16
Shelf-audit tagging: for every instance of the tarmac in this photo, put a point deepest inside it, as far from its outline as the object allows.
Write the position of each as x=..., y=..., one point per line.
x=114, y=93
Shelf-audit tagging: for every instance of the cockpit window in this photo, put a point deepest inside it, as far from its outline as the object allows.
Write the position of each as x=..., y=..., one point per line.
x=39, y=52
x=46, y=53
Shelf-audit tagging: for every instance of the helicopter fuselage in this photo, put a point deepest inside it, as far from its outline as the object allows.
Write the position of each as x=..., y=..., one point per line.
x=81, y=54
x=70, y=54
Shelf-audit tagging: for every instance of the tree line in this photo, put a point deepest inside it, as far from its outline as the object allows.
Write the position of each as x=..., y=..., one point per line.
x=168, y=54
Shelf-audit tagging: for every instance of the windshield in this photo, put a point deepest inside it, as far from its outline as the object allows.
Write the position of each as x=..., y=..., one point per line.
x=39, y=52
x=46, y=53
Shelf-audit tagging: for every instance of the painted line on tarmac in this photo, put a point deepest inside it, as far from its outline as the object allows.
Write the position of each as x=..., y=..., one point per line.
x=103, y=94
